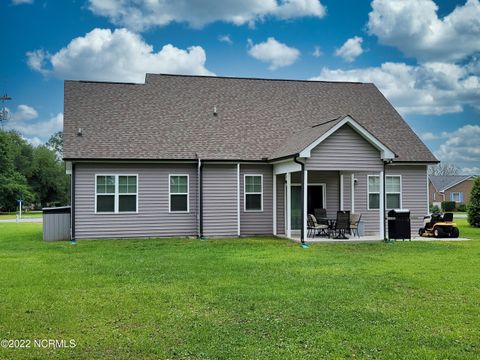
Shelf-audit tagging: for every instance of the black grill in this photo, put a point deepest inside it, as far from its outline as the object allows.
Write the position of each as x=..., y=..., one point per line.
x=399, y=224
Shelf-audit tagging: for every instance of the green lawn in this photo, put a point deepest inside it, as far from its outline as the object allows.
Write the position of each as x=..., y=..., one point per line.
x=249, y=298
x=13, y=215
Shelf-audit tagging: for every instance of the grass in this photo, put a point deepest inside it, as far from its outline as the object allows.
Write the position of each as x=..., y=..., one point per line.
x=257, y=298
x=27, y=214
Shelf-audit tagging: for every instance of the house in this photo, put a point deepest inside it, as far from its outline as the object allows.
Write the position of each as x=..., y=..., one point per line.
x=222, y=156
x=450, y=188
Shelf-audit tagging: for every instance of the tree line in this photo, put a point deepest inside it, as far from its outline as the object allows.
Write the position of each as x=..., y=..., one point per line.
x=34, y=174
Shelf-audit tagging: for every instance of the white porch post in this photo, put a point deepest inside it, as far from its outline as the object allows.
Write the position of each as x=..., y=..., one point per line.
x=238, y=199
x=274, y=204
x=305, y=199
x=341, y=192
x=352, y=183
x=382, y=207
x=288, y=221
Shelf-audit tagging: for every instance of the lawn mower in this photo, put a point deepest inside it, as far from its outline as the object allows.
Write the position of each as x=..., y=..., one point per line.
x=439, y=226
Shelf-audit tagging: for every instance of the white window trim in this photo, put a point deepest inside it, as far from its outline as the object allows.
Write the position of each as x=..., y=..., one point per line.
x=170, y=195
x=386, y=192
x=372, y=192
x=324, y=191
x=394, y=192
x=252, y=193
x=116, y=195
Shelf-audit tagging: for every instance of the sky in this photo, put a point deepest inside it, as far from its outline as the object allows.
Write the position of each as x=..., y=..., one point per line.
x=424, y=55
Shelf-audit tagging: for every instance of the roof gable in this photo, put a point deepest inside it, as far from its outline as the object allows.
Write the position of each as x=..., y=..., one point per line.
x=445, y=182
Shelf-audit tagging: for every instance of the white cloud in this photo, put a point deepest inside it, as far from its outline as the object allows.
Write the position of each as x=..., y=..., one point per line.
x=461, y=146
x=23, y=112
x=225, y=39
x=429, y=136
x=38, y=129
x=475, y=170
x=20, y=2
x=144, y=14
x=120, y=55
x=430, y=88
x=414, y=28
x=317, y=52
x=35, y=141
x=351, y=49
x=273, y=52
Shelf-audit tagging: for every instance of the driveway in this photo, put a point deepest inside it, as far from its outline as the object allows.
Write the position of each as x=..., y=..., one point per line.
x=30, y=220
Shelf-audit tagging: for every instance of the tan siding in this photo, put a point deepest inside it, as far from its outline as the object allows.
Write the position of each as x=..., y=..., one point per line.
x=153, y=218
x=220, y=200
x=257, y=223
x=345, y=150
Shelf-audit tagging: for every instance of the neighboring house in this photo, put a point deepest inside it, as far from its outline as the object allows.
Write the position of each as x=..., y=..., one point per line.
x=450, y=188
x=215, y=156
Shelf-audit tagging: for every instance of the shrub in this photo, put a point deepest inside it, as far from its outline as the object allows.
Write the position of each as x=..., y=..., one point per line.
x=474, y=205
x=434, y=209
x=448, y=205
x=462, y=207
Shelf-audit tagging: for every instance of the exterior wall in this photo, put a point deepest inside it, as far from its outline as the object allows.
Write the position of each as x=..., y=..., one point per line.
x=433, y=192
x=257, y=223
x=153, y=218
x=371, y=218
x=345, y=150
x=220, y=200
x=281, y=204
x=414, y=192
x=465, y=187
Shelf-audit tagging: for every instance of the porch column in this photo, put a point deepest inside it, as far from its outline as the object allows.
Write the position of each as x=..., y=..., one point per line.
x=341, y=192
x=382, y=207
x=304, y=203
x=288, y=220
x=352, y=183
x=274, y=204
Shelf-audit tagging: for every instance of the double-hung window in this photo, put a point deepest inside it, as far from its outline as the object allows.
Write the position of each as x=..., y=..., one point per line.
x=178, y=193
x=253, y=190
x=373, y=192
x=116, y=193
x=393, y=192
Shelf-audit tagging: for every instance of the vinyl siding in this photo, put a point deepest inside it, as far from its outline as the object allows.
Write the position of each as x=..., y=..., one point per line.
x=220, y=200
x=153, y=218
x=414, y=192
x=257, y=223
x=371, y=218
x=344, y=150
x=281, y=204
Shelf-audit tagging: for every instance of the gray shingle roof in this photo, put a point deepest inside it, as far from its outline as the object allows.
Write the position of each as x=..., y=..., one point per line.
x=171, y=117
x=443, y=183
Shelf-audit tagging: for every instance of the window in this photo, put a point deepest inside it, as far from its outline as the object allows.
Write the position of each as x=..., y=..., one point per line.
x=456, y=196
x=105, y=193
x=393, y=190
x=373, y=192
x=253, y=200
x=116, y=193
x=178, y=193
x=127, y=193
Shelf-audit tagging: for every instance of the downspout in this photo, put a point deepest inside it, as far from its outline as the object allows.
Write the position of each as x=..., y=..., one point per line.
x=385, y=163
x=200, y=199
x=72, y=204
x=302, y=235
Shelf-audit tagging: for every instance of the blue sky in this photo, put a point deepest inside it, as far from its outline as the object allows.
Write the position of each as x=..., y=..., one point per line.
x=423, y=55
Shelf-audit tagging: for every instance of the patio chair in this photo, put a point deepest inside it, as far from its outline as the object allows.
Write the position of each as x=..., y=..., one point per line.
x=320, y=213
x=314, y=227
x=354, y=221
x=342, y=225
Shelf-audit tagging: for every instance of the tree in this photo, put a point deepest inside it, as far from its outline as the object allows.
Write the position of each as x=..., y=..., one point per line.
x=55, y=143
x=474, y=205
x=443, y=169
